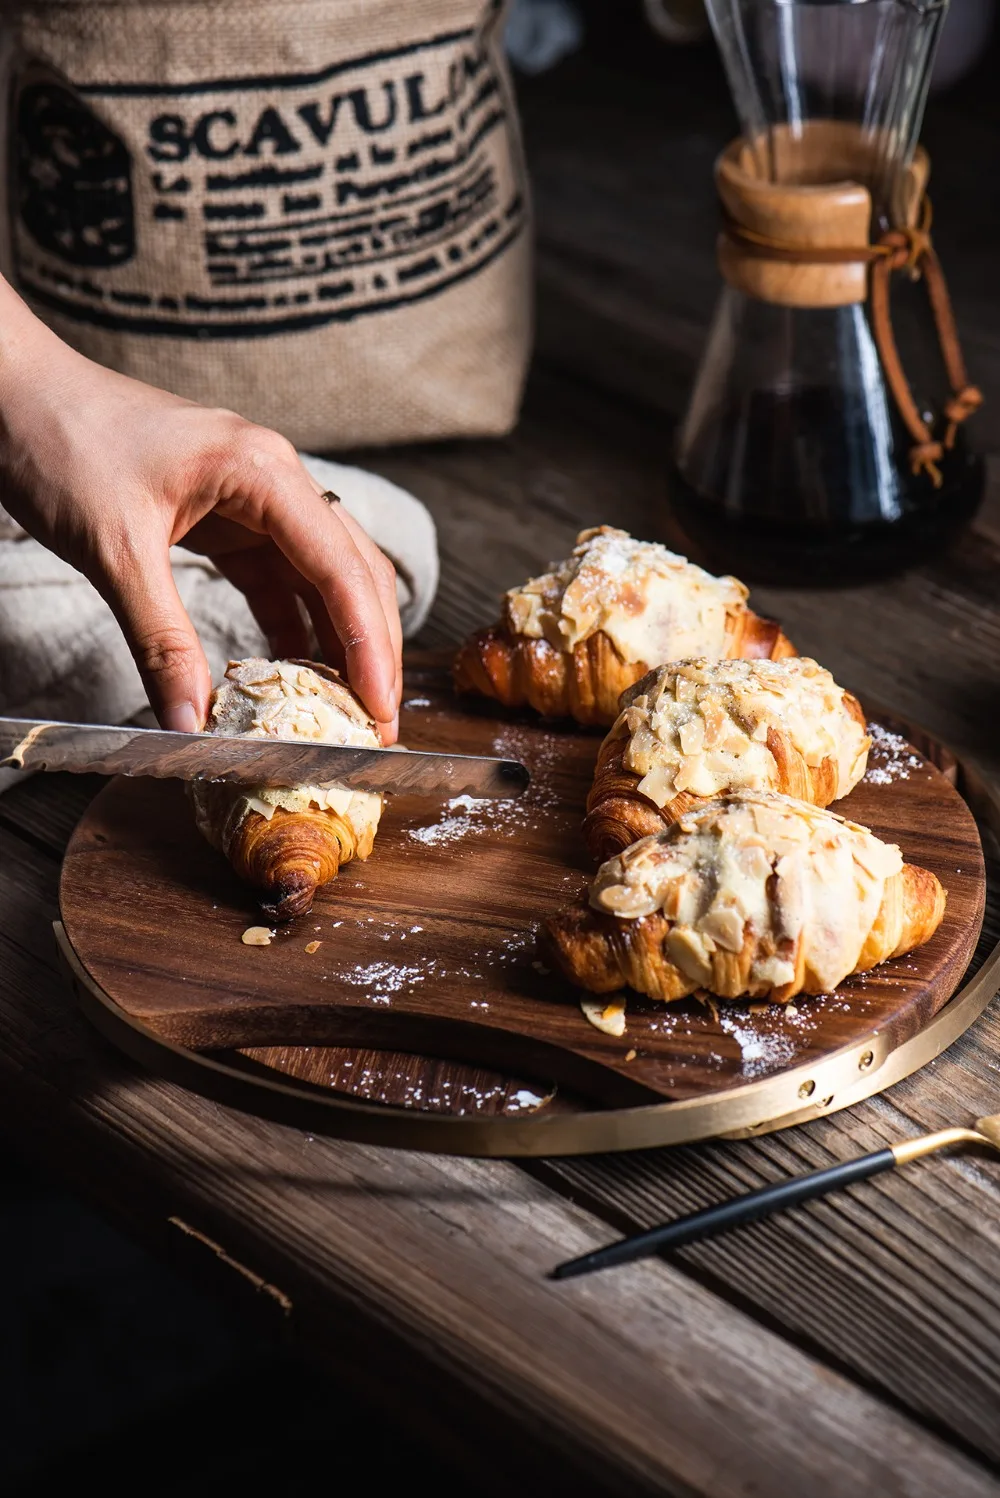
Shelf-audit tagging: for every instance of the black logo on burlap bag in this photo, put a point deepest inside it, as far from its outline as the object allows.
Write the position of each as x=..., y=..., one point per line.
x=73, y=179
x=243, y=207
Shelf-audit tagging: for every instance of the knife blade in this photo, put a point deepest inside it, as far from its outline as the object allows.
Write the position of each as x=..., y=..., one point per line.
x=29, y=745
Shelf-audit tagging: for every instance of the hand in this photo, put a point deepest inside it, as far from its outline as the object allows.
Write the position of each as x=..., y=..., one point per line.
x=109, y=473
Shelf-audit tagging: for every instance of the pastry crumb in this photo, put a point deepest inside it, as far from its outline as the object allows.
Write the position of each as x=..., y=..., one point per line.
x=313, y=946
x=631, y=1055
x=257, y=936
x=608, y=1018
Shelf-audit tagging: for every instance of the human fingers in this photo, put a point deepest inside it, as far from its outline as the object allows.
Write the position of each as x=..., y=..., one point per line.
x=384, y=574
x=279, y=498
x=142, y=594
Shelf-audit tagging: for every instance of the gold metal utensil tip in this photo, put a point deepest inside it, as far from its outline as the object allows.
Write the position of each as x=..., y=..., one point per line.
x=930, y=1144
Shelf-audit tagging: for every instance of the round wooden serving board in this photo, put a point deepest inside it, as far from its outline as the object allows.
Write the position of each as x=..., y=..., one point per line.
x=426, y=988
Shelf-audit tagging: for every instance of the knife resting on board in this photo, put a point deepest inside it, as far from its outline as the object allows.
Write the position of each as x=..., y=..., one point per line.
x=29, y=745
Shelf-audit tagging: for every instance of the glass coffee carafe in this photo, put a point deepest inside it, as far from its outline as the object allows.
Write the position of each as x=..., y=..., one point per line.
x=824, y=438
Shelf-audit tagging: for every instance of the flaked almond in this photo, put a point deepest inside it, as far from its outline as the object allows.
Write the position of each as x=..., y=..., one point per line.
x=257, y=936
x=724, y=924
x=688, y=950
x=657, y=785
x=608, y=1018
x=692, y=736
x=622, y=900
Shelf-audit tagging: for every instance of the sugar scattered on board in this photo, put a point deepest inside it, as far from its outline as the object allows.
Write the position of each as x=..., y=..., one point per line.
x=761, y=1052
x=465, y=816
x=890, y=757
x=384, y=978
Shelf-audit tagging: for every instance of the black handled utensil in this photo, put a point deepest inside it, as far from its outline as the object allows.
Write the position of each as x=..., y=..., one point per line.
x=772, y=1198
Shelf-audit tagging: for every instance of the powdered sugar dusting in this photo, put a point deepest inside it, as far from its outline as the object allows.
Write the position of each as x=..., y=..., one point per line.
x=763, y=1051
x=890, y=757
x=473, y=1092
x=382, y=979
x=465, y=816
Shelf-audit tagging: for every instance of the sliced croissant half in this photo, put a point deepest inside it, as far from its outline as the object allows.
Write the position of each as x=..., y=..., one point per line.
x=755, y=895
x=288, y=842
x=698, y=729
x=571, y=641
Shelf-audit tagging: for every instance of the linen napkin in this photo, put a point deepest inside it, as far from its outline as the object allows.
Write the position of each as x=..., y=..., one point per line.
x=63, y=656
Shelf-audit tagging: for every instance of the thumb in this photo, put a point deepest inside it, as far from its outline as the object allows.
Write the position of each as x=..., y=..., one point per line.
x=164, y=643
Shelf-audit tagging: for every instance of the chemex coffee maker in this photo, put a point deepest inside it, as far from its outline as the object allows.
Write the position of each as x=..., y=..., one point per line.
x=825, y=439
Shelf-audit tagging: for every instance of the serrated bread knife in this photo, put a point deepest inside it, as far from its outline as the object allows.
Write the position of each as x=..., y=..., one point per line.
x=29, y=745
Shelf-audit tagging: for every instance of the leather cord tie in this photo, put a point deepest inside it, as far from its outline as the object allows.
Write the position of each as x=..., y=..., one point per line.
x=908, y=250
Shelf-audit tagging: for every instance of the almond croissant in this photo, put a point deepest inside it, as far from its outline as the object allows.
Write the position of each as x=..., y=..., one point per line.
x=287, y=842
x=571, y=641
x=697, y=729
x=754, y=894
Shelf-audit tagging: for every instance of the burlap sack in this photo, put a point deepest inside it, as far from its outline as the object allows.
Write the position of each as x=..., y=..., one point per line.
x=311, y=211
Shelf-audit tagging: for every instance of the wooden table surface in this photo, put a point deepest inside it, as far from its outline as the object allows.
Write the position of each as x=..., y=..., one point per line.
x=849, y=1347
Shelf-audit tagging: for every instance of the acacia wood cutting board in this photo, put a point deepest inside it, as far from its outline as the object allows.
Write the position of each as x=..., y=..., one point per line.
x=429, y=947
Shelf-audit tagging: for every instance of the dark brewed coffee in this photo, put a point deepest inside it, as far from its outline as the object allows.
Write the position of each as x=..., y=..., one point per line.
x=796, y=490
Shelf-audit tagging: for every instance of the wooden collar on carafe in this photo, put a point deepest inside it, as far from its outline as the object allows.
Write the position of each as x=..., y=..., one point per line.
x=805, y=241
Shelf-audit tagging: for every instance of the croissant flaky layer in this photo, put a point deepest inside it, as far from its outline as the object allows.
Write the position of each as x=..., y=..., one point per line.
x=586, y=682
x=288, y=855
x=286, y=842
x=753, y=894
x=603, y=954
x=698, y=729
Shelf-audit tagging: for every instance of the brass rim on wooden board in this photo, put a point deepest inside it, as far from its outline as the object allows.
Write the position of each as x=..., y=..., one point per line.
x=795, y=1096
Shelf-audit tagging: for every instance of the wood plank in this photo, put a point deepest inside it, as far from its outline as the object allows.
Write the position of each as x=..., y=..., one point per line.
x=44, y=809
x=922, y=1241
x=639, y=1382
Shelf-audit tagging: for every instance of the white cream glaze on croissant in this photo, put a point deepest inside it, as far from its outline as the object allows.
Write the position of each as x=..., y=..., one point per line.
x=649, y=602
x=700, y=728
x=752, y=894
x=288, y=841
x=570, y=641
